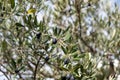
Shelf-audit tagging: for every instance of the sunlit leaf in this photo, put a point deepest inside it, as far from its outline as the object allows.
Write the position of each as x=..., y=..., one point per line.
x=31, y=11
x=113, y=34
x=67, y=36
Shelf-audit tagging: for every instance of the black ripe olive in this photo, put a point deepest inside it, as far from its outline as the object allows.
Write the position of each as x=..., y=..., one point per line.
x=66, y=61
x=47, y=58
x=16, y=71
x=89, y=4
x=38, y=35
x=63, y=78
x=17, y=28
x=70, y=77
x=3, y=8
x=2, y=15
x=54, y=41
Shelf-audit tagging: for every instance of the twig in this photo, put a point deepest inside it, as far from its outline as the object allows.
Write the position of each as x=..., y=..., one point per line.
x=78, y=9
x=36, y=67
x=4, y=74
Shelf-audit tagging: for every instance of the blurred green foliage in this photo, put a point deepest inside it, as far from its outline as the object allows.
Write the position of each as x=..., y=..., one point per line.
x=71, y=38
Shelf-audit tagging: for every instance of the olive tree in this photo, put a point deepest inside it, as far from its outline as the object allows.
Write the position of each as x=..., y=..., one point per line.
x=59, y=39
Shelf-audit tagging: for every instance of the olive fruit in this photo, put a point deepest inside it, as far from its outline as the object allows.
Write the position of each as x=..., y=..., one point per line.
x=63, y=78
x=2, y=15
x=66, y=61
x=54, y=41
x=16, y=71
x=89, y=4
x=72, y=78
x=68, y=77
x=47, y=58
x=3, y=8
x=38, y=35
